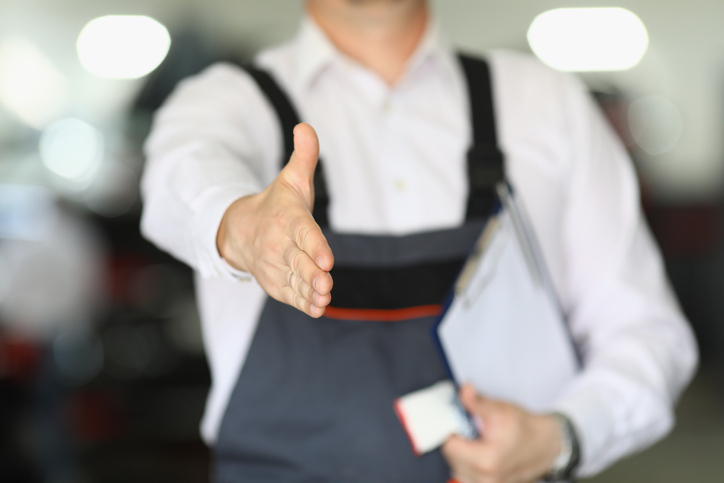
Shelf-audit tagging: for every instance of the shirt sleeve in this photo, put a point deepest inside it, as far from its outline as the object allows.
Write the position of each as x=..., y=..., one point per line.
x=211, y=143
x=637, y=348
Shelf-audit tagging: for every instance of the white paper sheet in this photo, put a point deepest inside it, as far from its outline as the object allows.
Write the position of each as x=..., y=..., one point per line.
x=503, y=332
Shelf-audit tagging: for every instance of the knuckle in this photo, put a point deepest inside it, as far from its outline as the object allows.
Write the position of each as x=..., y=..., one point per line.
x=310, y=293
x=295, y=300
x=301, y=304
x=267, y=248
x=303, y=289
x=278, y=219
x=447, y=452
x=286, y=295
x=492, y=466
x=481, y=468
x=301, y=231
x=296, y=260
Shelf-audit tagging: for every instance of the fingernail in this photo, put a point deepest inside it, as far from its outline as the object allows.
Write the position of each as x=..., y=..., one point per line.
x=315, y=283
x=319, y=261
x=315, y=297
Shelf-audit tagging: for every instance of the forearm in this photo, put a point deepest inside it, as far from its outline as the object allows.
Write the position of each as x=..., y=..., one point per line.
x=638, y=355
x=203, y=153
x=637, y=348
x=186, y=226
x=623, y=401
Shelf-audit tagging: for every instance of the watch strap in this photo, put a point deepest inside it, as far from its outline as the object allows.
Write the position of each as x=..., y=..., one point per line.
x=570, y=455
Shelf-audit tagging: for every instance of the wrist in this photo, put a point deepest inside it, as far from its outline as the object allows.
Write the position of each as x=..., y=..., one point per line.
x=229, y=237
x=568, y=458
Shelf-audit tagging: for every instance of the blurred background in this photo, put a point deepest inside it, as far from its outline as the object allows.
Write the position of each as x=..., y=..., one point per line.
x=102, y=373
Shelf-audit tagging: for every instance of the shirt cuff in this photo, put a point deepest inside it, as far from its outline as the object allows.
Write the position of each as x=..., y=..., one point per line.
x=605, y=409
x=589, y=410
x=209, y=209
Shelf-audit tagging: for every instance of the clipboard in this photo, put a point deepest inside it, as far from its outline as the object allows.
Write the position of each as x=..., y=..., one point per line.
x=502, y=330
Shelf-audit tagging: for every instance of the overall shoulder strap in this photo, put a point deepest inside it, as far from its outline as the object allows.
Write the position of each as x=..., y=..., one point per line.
x=288, y=118
x=485, y=160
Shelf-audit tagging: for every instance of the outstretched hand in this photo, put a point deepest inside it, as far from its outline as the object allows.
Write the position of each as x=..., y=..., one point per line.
x=273, y=236
x=515, y=447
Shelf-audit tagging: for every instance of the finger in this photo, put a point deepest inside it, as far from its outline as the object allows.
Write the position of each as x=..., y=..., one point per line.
x=308, y=292
x=299, y=172
x=291, y=297
x=308, y=271
x=477, y=404
x=469, y=457
x=309, y=237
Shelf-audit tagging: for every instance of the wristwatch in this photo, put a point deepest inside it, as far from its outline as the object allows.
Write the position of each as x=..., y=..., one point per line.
x=570, y=455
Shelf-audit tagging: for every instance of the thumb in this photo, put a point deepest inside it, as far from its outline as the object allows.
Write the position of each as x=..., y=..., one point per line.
x=299, y=172
x=475, y=404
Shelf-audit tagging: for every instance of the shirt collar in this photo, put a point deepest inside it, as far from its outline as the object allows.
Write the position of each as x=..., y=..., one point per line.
x=435, y=49
x=315, y=52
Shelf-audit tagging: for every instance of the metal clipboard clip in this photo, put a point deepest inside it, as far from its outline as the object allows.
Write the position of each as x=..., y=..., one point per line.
x=490, y=245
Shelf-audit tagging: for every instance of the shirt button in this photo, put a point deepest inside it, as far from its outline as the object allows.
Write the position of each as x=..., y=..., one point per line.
x=400, y=185
x=386, y=106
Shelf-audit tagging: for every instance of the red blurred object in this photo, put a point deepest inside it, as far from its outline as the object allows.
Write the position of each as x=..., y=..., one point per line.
x=19, y=358
x=686, y=231
x=121, y=271
x=95, y=415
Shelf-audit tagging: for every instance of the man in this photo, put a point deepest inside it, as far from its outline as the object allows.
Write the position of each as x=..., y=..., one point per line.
x=305, y=368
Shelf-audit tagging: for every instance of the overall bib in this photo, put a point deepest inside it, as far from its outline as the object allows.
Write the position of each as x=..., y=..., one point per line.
x=314, y=399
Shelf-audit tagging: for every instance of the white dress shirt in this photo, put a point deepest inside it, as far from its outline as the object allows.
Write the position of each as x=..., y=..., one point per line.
x=395, y=164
